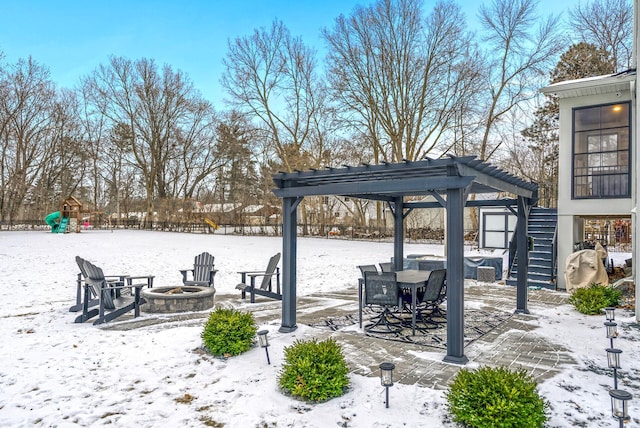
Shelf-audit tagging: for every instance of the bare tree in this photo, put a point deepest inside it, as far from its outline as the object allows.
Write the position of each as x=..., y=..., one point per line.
x=271, y=75
x=519, y=49
x=25, y=115
x=608, y=24
x=170, y=127
x=399, y=76
x=95, y=127
x=120, y=175
x=63, y=162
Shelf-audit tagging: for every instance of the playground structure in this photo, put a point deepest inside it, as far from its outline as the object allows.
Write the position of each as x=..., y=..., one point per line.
x=211, y=224
x=69, y=218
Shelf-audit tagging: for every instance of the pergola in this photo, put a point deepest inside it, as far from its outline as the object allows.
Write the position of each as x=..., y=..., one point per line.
x=449, y=180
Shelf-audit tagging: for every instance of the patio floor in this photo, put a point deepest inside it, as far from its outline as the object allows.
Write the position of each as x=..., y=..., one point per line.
x=507, y=344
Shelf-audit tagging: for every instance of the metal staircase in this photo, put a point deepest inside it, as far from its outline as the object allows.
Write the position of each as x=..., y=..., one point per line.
x=542, y=260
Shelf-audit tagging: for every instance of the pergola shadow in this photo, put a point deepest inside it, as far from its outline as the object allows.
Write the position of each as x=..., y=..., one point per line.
x=450, y=181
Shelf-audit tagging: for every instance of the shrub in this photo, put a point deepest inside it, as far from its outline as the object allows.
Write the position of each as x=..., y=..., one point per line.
x=229, y=332
x=591, y=300
x=314, y=371
x=496, y=397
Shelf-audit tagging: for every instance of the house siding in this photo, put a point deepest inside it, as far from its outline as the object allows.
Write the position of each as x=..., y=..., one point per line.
x=570, y=228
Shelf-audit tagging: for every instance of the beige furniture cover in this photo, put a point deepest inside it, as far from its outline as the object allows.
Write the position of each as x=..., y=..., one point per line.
x=586, y=267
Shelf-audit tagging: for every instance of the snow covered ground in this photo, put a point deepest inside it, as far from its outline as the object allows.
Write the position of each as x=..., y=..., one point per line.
x=54, y=373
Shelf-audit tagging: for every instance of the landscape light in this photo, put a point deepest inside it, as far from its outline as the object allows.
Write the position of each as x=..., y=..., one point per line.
x=612, y=331
x=610, y=313
x=386, y=378
x=613, y=358
x=264, y=342
x=619, y=405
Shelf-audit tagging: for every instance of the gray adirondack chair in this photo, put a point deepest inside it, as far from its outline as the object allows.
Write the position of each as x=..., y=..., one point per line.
x=93, y=297
x=202, y=273
x=112, y=302
x=265, y=289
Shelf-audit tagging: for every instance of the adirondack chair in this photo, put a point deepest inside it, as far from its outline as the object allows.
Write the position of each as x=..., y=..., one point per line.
x=93, y=297
x=202, y=273
x=112, y=301
x=248, y=283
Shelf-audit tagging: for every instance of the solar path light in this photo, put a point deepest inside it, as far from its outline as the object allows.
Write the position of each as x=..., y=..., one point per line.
x=264, y=342
x=610, y=313
x=613, y=358
x=386, y=378
x=619, y=405
x=612, y=331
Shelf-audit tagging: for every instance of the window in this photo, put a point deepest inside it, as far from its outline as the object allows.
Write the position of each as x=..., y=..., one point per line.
x=498, y=229
x=601, y=151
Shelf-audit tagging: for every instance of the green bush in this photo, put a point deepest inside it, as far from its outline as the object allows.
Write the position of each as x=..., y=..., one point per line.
x=591, y=300
x=497, y=398
x=314, y=371
x=229, y=332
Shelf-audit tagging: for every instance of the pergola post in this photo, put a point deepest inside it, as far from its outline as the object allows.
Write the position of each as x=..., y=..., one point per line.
x=455, y=276
x=398, y=233
x=289, y=240
x=522, y=233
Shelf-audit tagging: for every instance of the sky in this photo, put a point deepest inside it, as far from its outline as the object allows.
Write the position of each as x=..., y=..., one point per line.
x=73, y=37
x=55, y=373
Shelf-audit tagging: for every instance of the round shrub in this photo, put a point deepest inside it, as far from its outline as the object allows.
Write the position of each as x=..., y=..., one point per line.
x=229, y=332
x=497, y=398
x=314, y=371
x=591, y=300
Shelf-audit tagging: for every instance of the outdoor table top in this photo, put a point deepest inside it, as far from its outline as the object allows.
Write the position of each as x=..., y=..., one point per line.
x=412, y=276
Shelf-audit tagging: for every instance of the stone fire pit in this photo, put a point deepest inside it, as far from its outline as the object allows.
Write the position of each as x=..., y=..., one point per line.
x=178, y=299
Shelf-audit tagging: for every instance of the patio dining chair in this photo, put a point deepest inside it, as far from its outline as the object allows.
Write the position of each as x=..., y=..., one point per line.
x=382, y=290
x=434, y=294
x=386, y=267
x=364, y=269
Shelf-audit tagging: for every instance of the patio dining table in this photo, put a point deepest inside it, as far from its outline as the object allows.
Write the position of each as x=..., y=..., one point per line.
x=411, y=279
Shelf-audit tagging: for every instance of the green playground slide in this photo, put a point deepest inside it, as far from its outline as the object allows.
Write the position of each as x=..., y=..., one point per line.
x=52, y=220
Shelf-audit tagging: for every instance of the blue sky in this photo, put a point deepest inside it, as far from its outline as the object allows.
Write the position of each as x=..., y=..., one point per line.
x=73, y=37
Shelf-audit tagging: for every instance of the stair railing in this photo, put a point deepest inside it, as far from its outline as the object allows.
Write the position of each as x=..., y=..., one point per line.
x=513, y=247
x=513, y=244
x=554, y=254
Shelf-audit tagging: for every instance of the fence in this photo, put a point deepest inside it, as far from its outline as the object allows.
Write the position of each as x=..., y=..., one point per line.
x=327, y=231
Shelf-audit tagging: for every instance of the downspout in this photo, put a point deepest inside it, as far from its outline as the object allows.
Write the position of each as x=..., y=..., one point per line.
x=636, y=148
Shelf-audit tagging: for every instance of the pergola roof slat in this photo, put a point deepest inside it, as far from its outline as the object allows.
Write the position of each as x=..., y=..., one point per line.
x=367, y=180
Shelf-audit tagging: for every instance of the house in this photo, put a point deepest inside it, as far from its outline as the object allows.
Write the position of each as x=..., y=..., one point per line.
x=598, y=159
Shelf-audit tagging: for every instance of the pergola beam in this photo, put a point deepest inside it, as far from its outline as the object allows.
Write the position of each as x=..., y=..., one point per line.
x=397, y=187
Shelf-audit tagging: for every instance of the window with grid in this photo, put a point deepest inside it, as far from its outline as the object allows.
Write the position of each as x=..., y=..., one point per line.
x=601, y=151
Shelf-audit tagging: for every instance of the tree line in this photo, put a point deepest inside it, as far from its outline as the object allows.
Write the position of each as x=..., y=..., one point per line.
x=400, y=81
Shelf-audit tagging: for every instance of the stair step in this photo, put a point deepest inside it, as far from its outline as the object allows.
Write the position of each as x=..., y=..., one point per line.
x=534, y=284
x=542, y=227
x=540, y=258
x=542, y=276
